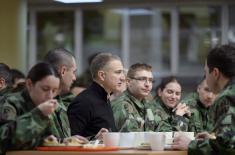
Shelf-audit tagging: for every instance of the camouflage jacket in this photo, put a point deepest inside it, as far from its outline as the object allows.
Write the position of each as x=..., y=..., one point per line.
x=130, y=114
x=4, y=92
x=223, y=116
x=199, y=120
x=31, y=125
x=66, y=99
x=166, y=120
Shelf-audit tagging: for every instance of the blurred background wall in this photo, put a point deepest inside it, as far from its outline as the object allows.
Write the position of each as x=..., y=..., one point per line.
x=174, y=36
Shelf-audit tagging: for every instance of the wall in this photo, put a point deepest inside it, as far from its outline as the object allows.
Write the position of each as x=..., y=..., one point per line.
x=13, y=28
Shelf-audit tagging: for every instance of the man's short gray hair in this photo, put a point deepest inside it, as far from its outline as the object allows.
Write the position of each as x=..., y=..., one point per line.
x=59, y=56
x=100, y=62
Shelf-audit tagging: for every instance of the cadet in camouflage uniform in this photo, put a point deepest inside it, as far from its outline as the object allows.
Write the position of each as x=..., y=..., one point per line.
x=5, y=80
x=34, y=111
x=170, y=115
x=65, y=64
x=131, y=110
x=200, y=105
x=220, y=77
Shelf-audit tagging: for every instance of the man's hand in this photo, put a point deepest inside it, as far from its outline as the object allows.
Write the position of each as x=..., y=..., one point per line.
x=99, y=134
x=181, y=142
x=203, y=135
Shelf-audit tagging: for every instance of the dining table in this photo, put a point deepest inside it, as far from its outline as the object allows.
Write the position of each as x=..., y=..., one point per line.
x=118, y=152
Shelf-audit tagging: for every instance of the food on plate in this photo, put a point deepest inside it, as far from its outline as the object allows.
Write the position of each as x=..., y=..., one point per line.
x=51, y=141
x=212, y=136
x=73, y=141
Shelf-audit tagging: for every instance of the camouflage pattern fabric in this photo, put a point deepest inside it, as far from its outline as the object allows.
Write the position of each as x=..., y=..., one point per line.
x=31, y=125
x=166, y=120
x=223, y=116
x=199, y=120
x=130, y=114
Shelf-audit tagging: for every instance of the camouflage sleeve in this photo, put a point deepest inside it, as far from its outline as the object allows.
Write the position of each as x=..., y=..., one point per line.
x=6, y=132
x=162, y=122
x=224, y=143
x=120, y=114
x=179, y=123
x=195, y=125
x=27, y=126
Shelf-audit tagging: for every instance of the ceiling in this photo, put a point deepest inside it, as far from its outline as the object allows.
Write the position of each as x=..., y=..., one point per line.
x=48, y=3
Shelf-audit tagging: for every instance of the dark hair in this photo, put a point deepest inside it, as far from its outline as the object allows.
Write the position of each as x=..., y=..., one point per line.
x=58, y=57
x=16, y=74
x=223, y=58
x=167, y=80
x=138, y=67
x=100, y=61
x=5, y=73
x=40, y=71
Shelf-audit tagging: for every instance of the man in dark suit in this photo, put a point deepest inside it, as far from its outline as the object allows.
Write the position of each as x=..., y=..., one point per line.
x=91, y=110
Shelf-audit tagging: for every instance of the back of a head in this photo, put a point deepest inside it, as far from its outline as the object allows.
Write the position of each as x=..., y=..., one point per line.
x=58, y=57
x=5, y=73
x=40, y=71
x=223, y=58
x=16, y=74
x=138, y=67
x=100, y=61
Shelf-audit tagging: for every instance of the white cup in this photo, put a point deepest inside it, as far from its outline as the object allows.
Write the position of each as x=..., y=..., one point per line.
x=127, y=139
x=157, y=141
x=111, y=138
x=169, y=138
x=140, y=138
x=187, y=134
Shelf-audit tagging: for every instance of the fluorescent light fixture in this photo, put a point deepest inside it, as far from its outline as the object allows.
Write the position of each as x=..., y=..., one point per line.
x=78, y=1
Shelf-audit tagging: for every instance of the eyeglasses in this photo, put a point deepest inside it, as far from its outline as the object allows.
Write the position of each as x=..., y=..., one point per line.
x=143, y=79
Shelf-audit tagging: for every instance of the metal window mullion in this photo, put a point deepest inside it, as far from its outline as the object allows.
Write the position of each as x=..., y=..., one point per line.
x=125, y=52
x=174, y=40
x=78, y=39
x=225, y=23
x=32, y=38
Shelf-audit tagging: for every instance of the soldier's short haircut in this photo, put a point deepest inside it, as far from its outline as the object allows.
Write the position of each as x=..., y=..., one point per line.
x=223, y=58
x=5, y=73
x=101, y=61
x=58, y=57
x=138, y=67
x=40, y=71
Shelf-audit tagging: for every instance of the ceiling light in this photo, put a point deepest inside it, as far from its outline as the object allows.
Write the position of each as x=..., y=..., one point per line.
x=78, y=1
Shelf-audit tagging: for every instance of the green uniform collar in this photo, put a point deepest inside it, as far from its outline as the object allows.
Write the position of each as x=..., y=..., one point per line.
x=138, y=103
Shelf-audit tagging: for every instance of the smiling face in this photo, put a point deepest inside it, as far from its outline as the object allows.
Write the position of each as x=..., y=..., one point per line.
x=171, y=94
x=141, y=84
x=43, y=90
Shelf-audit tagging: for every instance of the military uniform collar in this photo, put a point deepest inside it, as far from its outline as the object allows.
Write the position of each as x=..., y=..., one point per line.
x=167, y=109
x=29, y=102
x=60, y=103
x=4, y=91
x=139, y=104
x=231, y=82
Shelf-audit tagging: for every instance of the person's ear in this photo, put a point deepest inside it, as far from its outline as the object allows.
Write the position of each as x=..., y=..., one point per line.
x=101, y=75
x=216, y=73
x=2, y=83
x=159, y=92
x=62, y=70
x=28, y=84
